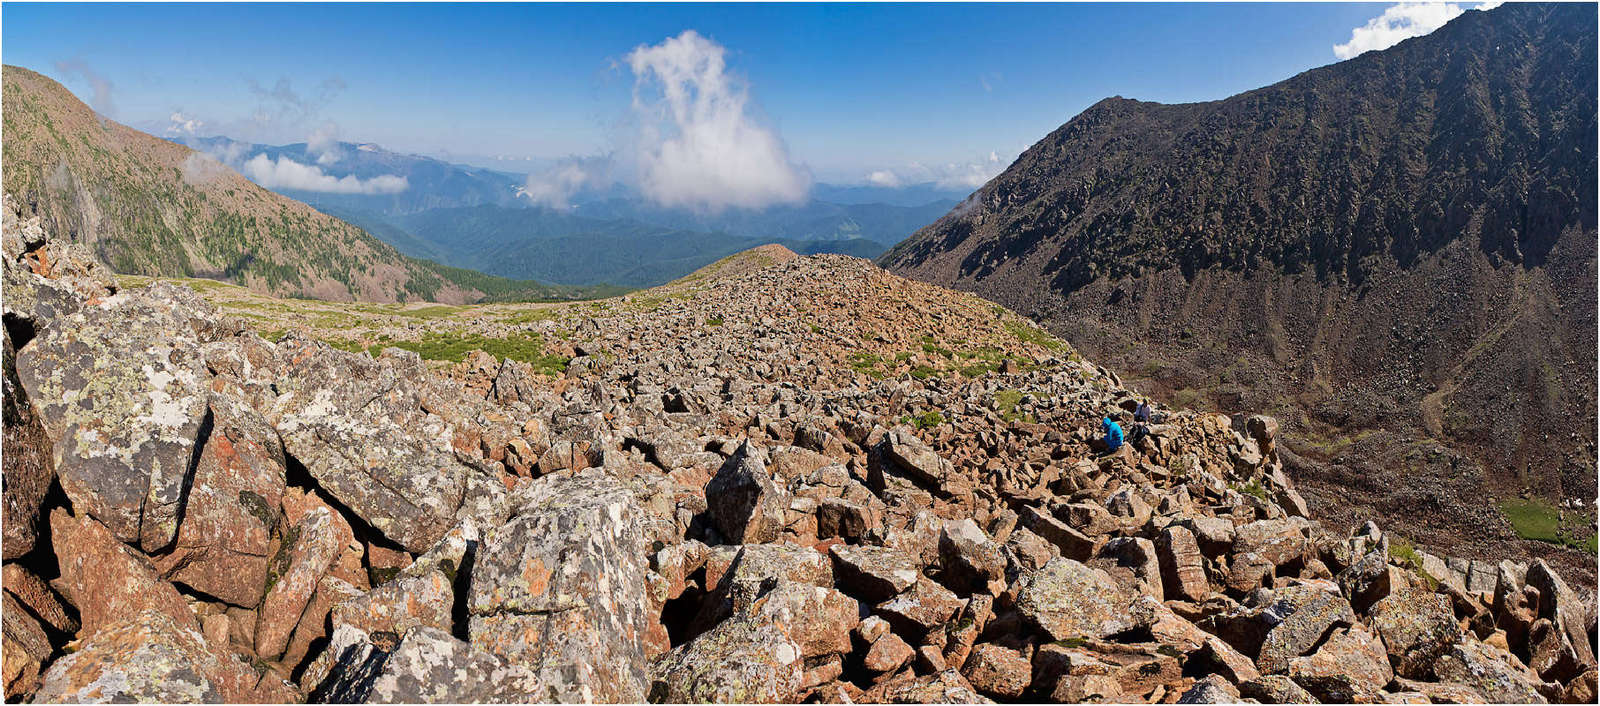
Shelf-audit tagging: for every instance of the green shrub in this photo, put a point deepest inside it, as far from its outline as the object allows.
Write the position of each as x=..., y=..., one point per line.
x=926, y=420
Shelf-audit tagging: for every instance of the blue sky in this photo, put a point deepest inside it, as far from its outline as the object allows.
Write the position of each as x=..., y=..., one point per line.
x=847, y=90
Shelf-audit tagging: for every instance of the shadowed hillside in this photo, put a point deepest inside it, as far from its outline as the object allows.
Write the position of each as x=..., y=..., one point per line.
x=1395, y=253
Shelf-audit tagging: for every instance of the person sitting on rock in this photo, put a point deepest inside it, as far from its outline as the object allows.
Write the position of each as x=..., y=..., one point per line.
x=1113, y=434
x=1142, y=414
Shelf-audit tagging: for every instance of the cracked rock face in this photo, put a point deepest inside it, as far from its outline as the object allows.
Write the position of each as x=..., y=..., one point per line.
x=123, y=399
x=559, y=589
x=362, y=434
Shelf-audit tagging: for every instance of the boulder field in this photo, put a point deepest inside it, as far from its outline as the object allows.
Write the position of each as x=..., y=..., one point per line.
x=734, y=496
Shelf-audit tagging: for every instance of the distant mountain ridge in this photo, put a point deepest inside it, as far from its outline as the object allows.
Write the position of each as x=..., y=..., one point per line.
x=148, y=206
x=611, y=235
x=1403, y=243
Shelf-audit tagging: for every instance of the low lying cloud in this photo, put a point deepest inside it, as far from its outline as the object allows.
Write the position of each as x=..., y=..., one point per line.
x=951, y=175
x=184, y=125
x=556, y=186
x=884, y=178
x=100, y=87
x=700, y=146
x=281, y=173
x=284, y=173
x=200, y=168
x=1401, y=22
x=324, y=144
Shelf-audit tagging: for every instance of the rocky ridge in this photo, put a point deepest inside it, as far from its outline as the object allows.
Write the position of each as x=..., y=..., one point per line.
x=794, y=479
x=1394, y=255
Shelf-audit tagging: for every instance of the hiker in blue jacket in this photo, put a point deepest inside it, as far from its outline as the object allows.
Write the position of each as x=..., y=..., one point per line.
x=1113, y=432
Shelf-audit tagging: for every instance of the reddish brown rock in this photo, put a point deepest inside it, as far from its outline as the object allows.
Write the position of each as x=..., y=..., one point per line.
x=997, y=671
x=873, y=573
x=28, y=465
x=316, y=541
x=25, y=649
x=1351, y=666
x=817, y=619
x=887, y=654
x=38, y=598
x=147, y=657
x=226, y=536
x=926, y=607
x=1183, y=570
x=105, y=580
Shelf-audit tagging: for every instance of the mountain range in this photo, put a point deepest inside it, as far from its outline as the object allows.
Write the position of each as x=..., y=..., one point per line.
x=147, y=206
x=482, y=219
x=1395, y=254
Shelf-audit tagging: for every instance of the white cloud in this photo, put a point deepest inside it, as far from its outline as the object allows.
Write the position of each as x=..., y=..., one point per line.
x=556, y=186
x=200, y=168
x=101, y=87
x=699, y=145
x=324, y=144
x=284, y=173
x=181, y=124
x=951, y=175
x=884, y=178
x=1401, y=22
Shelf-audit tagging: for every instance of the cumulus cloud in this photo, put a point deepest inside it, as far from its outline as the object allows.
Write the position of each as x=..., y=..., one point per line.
x=556, y=186
x=951, y=175
x=180, y=124
x=285, y=173
x=324, y=144
x=100, y=87
x=884, y=178
x=700, y=146
x=1401, y=22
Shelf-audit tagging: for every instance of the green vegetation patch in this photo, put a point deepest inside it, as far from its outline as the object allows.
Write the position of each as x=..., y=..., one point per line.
x=453, y=347
x=1036, y=336
x=866, y=363
x=926, y=420
x=1536, y=519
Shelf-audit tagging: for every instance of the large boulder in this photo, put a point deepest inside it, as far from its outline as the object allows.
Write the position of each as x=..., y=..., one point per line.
x=26, y=648
x=1068, y=600
x=817, y=619
x=1417, y=626
x=560, y=589
x=738, y=661
x=121, y=389
x=360, y=428
x=969, y=559
x=914, y=458
x=1298, y=619
x=29, y=467
x=1183, y=571
x=1500, y=677
x=310, y=548
x=1351, y=667
x=1561, y=605
x=225, y=542
x=146, y=656
x=873, y=573
x=429, y=666
x=105, y=580
x=997, y=671
x=745, y=505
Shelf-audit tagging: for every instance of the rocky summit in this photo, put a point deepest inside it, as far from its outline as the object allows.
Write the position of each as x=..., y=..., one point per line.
x=781, y=479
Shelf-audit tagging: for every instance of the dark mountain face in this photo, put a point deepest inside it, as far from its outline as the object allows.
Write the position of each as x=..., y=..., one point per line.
x=1401, y=242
